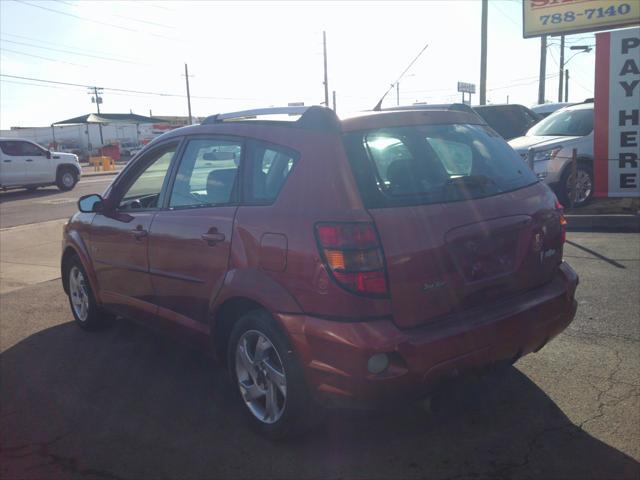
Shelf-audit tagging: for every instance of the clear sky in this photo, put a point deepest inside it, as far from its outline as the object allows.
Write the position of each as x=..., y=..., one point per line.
x=244, y=55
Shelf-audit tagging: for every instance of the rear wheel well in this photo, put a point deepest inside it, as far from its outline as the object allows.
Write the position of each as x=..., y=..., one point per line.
x=224, y=319
x=67, y=256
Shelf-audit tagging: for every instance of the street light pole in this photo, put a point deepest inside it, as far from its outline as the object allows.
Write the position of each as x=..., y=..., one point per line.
x=326, y=81
x=483, y=54
x=186, y=76
x=543, y=69
x=561, y=79
x=582, y=49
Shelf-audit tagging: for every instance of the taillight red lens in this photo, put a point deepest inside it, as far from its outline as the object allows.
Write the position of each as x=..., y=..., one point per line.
x=347, y=235
x=353, y=255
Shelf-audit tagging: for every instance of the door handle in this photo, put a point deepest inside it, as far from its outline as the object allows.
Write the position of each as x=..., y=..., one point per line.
x=7, y=161
x=212, y=238
x=139, y=233
x=29, y=160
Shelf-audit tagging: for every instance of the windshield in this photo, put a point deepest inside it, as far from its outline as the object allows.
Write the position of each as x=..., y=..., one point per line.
x=432, y=164
x=568, y=123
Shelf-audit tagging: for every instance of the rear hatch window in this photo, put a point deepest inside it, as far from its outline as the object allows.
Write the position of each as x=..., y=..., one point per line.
x=457, y=225
x=416, y=165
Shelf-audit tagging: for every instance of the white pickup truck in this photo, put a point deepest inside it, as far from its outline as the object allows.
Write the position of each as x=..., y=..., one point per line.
x=26, y=164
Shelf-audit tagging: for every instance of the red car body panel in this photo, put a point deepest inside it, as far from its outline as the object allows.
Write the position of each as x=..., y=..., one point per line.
x=436, y=321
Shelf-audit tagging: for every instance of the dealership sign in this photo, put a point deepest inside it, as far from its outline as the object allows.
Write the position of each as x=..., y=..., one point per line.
x=617, y=114
x=466, y=87
x=554, y=17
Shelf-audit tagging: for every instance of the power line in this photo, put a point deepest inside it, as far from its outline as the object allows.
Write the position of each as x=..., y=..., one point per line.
x=39, y=85
x=506, y=16
x=40, y=57
x=122, y=16
x=112, y=89
x=87, y=19
x=522, y=84
x=70, y=52
x=48, y=42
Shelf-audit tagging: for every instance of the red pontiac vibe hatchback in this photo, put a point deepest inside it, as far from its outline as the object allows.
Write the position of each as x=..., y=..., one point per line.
x=339, y=262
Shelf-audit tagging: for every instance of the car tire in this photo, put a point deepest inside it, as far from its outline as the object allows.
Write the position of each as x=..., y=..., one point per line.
x=270, y=382
x=66, y=179
x=585, y=185
x=86, y=313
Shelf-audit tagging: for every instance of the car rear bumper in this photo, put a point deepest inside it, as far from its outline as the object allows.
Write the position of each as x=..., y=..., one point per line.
x=335, y=354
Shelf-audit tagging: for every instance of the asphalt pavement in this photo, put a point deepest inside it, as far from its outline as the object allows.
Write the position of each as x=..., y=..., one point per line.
x=20, y=207
x=127, y=403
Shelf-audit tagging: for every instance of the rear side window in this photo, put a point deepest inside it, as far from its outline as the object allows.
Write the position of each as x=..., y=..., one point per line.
x=268, y=168
x=433, y=164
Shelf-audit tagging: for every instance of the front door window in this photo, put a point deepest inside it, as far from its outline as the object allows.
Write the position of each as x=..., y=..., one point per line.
x=144, y=192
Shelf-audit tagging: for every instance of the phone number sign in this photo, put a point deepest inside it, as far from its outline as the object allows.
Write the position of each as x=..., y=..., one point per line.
x=555, y=17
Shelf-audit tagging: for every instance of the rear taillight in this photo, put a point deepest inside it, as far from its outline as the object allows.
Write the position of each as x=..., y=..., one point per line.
x=353, y=254
x=563, y=220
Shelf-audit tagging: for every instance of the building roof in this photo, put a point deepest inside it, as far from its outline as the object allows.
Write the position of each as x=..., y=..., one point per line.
x=110, y=118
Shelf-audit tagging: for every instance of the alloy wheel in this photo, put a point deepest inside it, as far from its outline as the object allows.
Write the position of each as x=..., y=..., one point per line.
x=78, y=293
x=261, y=376
x=68, y=179
x=584, y=186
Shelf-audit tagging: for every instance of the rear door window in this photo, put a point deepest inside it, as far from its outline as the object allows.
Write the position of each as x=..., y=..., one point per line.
x=207, y=173
x=433, y=163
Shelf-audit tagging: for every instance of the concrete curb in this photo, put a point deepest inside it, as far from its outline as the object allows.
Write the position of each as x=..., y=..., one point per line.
x=609, y=223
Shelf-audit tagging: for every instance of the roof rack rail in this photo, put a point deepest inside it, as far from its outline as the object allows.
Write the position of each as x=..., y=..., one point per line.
x=311, y=117
x=460, y=107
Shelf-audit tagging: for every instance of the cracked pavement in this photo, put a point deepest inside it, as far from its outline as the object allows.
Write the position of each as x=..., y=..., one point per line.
x=129, y=404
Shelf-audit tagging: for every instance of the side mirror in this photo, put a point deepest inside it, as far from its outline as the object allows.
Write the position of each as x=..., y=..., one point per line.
x=90, y=203
x=48, y=154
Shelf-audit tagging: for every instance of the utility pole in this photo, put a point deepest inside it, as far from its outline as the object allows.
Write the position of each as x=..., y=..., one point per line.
x=326, y=82
x=483, y=54
x=97, y=99
x=398, y=93
x=186, y=76
x=543, y=69
x=334, y=101
x=561, y=68
x=566, y=85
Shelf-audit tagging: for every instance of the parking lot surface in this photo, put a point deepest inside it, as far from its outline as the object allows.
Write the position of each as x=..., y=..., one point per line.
x=127, y=403
x=19, y=207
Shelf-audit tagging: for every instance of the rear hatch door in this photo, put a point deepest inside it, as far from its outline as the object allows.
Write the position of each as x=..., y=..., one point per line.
x=462, y=221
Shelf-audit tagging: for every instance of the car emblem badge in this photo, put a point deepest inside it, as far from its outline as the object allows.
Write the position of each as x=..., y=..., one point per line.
x=434, y=285
x=537, y=242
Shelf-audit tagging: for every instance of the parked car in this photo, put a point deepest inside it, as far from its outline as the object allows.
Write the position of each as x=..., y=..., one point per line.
x=133, y=151
x=546, y=109
x=29, y=165
x=510, y=120
x=553, y=140
x=328, y=262
x=126, y=148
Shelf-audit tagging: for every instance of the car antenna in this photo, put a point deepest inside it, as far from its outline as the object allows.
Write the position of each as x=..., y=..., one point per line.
x=379, y=104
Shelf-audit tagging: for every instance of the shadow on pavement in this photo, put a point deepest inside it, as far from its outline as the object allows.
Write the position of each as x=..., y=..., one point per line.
x=126, y=403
